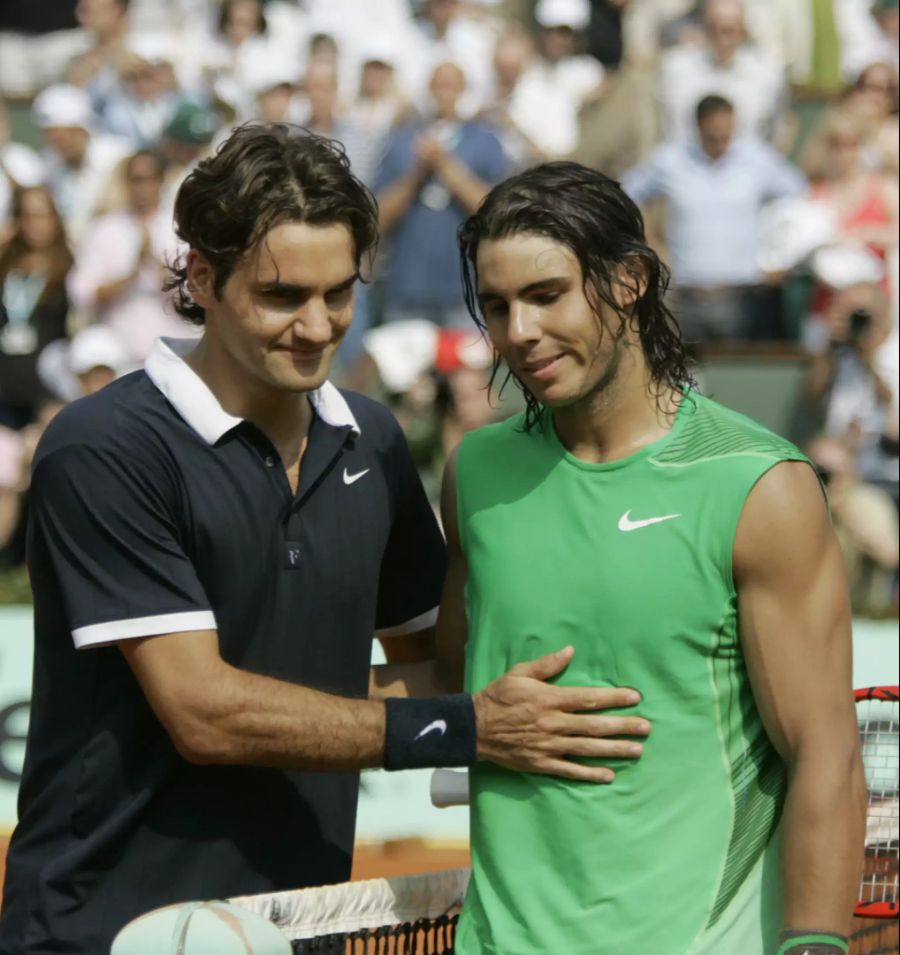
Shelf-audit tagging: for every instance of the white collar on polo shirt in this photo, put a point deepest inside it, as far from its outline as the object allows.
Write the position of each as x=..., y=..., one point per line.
x=190, y=396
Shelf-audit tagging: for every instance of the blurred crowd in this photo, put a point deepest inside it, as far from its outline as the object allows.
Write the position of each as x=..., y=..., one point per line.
x=760, y=138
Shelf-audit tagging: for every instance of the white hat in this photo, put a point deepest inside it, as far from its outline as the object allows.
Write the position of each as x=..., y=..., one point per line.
x=62, y=105
x=201, y=928
x=379, y=48
x=150, y=47
x=262, y=70
x=94, y=347
x=563, y=13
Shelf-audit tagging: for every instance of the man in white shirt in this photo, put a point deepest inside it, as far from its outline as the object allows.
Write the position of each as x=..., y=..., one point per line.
x=79, y=162
x=560, y=79
x=725, y=65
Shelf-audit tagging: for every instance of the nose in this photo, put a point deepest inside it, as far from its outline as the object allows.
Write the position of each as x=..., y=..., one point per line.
x=313, y=325
x=523, y=327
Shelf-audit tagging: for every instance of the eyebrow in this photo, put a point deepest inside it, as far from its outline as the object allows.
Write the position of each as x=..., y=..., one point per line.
x=551, y=282
x=277, y=287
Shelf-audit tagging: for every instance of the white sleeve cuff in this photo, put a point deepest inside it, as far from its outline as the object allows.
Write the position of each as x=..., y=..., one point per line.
x=423, y=621
x=101, y=633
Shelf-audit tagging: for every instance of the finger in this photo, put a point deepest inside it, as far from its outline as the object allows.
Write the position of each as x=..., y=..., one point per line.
x=582, y=698
x=598, y=726
x=598, y=748
x=545, y=667
x=568, y=770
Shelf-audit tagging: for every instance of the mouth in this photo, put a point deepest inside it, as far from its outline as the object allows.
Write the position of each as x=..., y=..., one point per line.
x=542, y=368
x=304, y=356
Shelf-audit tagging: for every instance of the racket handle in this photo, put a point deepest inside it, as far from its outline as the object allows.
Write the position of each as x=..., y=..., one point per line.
x=449, y=787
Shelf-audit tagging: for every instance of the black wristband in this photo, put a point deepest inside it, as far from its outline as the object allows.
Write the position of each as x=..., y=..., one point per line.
x=811, y=942
x=434, y=731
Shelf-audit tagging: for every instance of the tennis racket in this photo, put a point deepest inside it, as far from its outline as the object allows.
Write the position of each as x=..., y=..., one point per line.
x=878, y=716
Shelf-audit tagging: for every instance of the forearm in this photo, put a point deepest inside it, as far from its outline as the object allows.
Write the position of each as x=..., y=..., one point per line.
x=255, y=720
x=824, y=832
x=467, y=188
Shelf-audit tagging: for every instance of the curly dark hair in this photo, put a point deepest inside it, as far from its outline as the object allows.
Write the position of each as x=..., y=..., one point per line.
x=591, y=215
x=263, y=175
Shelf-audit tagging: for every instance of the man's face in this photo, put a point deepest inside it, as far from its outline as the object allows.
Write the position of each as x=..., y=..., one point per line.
x=557, y=42
x=286, y=307
x=716, y=133
x=725, y=27
x=539, y=320
x=100, y=16
x=144, y=183
x=447, y=85
x=69, y=142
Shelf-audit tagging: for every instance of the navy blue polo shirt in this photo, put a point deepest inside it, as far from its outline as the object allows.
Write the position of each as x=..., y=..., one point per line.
x=154, y=511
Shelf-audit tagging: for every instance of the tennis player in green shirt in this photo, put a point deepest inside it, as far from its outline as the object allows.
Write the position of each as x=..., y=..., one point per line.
x=680, y=549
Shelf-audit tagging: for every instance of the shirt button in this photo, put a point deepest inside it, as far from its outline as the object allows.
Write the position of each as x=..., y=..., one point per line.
x=270, y=461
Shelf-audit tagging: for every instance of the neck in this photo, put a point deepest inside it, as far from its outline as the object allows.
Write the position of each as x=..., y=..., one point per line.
x=723, y=58
x=283, y=416
x=621, y=417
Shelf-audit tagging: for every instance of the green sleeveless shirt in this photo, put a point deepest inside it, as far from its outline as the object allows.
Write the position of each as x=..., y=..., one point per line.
x=631, y=563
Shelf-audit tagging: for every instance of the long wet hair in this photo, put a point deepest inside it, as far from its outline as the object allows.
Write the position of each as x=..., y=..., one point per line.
x=263, y=175
x=591, y=215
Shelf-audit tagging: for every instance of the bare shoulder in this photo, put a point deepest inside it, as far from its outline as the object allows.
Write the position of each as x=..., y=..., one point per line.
x=785, y=520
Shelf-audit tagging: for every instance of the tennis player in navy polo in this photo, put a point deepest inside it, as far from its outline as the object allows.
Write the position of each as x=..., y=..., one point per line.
x=213, y=542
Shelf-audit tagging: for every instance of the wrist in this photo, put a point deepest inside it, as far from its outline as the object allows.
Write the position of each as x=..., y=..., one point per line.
x=811, y=942
x=437, y=731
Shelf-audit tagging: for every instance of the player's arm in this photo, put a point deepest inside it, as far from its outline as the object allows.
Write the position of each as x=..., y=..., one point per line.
x=796, y=634
x=217, y=713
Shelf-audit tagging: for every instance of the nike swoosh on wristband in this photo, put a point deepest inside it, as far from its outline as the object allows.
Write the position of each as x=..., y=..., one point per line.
x=626, y=524
x=353, y=478
x=440, y=725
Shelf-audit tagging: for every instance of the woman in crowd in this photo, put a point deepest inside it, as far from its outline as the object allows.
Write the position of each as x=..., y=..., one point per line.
x=33, y=305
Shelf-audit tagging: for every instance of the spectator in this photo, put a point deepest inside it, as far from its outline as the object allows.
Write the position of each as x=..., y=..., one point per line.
x=522, y=110
x=33, y=307
x=20, y=166
x=379, y=105
x=97, y=70
x=864, y=201
x=561, y=72
x=147, y=95
x=79, y=162
x=855, y=379
x=865, y=521
x=435, y=172
x=119, y=272
x=446, y=34
x=274, y=87
x=715, y=192
x=874, y=99
x=725, y=63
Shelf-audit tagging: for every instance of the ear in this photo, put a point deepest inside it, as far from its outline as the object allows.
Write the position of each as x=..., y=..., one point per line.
x=201, y=279
x=631, y=282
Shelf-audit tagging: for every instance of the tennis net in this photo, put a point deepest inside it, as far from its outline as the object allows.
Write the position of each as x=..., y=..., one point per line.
x=408, y=915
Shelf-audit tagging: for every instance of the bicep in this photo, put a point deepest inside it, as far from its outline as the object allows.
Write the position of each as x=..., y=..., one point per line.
x=794, y=612
x=452, y=626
